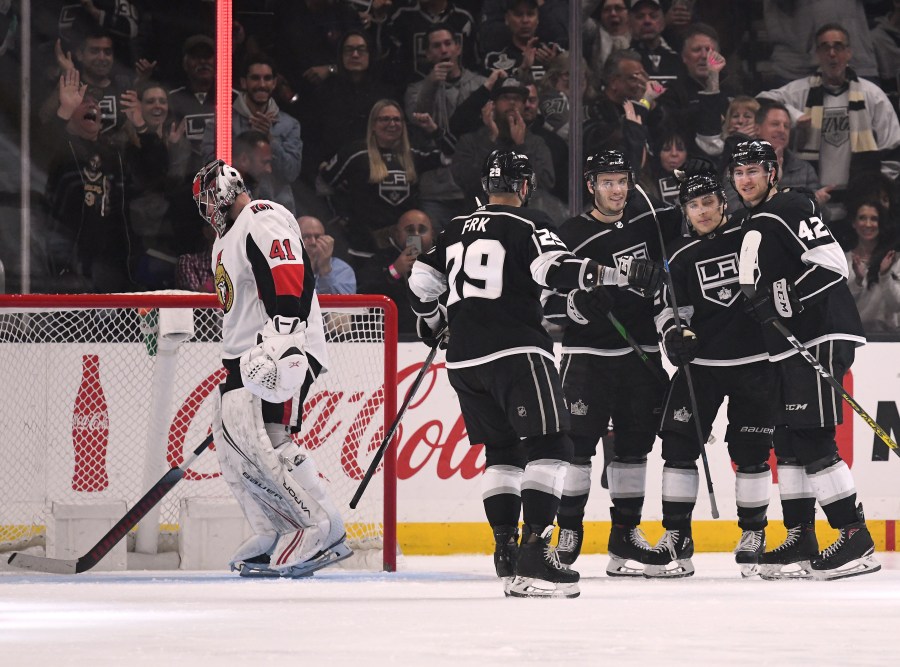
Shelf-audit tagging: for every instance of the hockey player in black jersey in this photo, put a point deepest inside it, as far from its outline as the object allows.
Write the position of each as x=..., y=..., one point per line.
x=602, y=375
x=800, y=275
x=725, y=348
x=492, y=265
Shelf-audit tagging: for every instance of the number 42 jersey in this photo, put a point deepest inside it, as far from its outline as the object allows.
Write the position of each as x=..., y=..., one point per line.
x=493, y=264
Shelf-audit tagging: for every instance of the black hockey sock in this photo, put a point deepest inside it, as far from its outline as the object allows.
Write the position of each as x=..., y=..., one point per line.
x=841, y=512
x=752, y=518
x=503, y=509
x=800, y=510
x=539, y=508
x=571, y=511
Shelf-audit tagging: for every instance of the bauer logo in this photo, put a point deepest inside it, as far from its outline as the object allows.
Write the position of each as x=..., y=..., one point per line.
x=718, y=277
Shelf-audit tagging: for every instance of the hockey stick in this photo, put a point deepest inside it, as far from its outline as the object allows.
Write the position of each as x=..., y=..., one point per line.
x=747, y=266
x=117, y=532
x=714, y=510
x=354, y=501
x=637, y=348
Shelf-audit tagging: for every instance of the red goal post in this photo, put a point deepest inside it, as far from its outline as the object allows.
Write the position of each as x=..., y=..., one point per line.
x=103, y=393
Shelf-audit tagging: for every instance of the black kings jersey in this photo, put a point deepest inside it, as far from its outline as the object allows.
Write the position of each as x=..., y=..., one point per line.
x=635, y=235
x=797, y=245
x=708, y=294
x=493, y=265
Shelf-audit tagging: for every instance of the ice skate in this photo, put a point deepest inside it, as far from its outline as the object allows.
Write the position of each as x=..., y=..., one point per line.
x=539, y=573
x=506, y=548
x=628, y=551
x=852, y=554
x=750, y=547
x=252, y=558
x=671, y=557
x=791, y=559
x=568, y=546
x=306, y=550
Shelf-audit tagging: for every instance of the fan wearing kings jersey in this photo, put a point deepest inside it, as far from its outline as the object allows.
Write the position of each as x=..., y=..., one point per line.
x=273, y=350
x=725, y=349
x=602, y=375
x=795, y=274
x=492, y=266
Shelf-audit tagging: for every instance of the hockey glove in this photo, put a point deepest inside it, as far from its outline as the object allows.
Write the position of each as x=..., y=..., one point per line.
x=584, y=306
x=780, y=300
x=439, y=336
x=276, y=367
x=640, y=273
x=681, y=347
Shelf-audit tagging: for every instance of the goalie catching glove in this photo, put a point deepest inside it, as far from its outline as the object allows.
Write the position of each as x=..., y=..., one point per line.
x=584, y=306
x=681, y=346
x=276, y=367
x=780, y=300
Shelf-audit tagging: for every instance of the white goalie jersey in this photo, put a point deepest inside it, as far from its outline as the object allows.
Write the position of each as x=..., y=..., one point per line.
x=259, y=273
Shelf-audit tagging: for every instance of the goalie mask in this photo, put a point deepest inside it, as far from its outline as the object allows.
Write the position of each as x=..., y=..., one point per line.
x=216, y=187
x=504, y=171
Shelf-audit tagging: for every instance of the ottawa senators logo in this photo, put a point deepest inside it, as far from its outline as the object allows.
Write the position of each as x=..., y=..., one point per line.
x=224, y=287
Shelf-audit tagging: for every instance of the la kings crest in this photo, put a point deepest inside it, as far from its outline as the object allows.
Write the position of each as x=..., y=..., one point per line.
x=718, y=279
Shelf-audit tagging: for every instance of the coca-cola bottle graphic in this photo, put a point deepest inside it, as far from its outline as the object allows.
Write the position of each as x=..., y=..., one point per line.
x=90, y=429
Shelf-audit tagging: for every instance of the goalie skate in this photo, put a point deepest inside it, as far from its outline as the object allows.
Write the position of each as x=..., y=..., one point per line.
x=256, y=567
x=671, y=557
x=539, y=573
x=301, y=553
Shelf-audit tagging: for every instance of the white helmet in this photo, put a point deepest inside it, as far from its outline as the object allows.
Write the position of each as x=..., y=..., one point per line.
x=217, y=184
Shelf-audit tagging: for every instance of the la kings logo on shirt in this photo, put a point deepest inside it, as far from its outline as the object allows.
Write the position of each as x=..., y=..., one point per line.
x=836, y=126
x=394, y=189
x=719, y=279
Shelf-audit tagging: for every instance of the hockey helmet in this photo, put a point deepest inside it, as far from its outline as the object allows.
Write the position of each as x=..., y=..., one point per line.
x=505, y=171
x=698, y=184
x=216, y=187
x=755, y=151
x=608, y=162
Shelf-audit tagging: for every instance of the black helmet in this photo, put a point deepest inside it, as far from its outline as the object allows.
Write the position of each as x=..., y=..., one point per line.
x=504, y=171
x=755, y=151
x=606, y=162
x=699, y=184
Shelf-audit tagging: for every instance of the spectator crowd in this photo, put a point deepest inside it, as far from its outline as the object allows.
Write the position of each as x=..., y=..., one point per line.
x=370, y=122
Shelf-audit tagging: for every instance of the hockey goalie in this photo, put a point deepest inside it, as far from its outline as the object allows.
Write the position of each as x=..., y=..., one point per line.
x=273, y=350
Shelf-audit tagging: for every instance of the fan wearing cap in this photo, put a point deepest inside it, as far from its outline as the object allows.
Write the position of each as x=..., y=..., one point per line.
x=503, y=128
x=524, y=53
x=799, y=279
x=728, y=358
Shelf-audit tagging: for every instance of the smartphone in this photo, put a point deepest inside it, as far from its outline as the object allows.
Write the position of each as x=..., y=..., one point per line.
x=414, y=240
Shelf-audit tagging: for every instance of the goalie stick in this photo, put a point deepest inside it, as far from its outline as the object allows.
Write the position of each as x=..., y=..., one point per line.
x=117, y=532
x=701, y=441
x=354, y=501
x=746, y=277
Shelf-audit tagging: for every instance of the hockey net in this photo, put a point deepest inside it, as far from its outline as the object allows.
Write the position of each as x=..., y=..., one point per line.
x=103, y=393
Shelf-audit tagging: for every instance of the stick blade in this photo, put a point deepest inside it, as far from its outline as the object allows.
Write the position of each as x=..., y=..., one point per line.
x=42, y=564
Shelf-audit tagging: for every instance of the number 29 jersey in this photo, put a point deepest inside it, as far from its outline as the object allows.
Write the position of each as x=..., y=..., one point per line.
x=494, y=262
x=259, y=272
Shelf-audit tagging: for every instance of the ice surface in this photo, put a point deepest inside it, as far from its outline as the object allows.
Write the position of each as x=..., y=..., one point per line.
x=447, y=611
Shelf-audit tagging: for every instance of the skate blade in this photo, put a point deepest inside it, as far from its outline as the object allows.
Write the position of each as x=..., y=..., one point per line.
x=330, y=556
x=250, y=572
x=619, y=567
x=676, y=569
x=799, y=571
x=865, y=565
x=529, y=587
x=749, y=570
